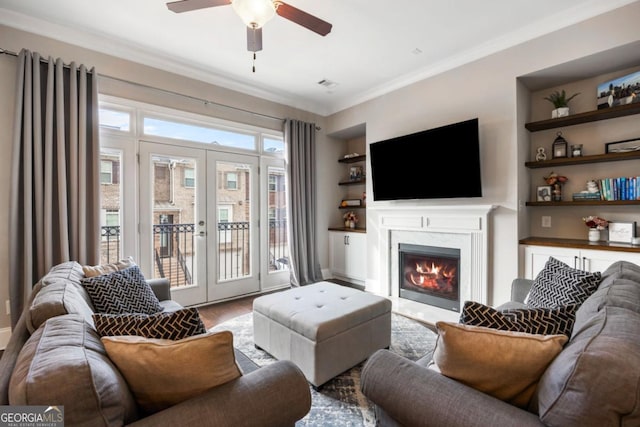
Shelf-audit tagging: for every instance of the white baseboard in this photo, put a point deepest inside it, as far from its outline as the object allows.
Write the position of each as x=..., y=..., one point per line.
x=5, y=334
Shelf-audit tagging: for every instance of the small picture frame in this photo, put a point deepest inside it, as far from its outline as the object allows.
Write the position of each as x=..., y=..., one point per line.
x=355, y=173
x=619, y=91
x=622, y=232
x=622, y=146
x=544, y=193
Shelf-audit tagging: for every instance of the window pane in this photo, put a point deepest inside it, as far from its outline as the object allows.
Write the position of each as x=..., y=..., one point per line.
x=113, y=119
x=204, y=134
x=110, y=204
x=272, y=145
x=189, y=178
x=232, y=180
x=278, y=239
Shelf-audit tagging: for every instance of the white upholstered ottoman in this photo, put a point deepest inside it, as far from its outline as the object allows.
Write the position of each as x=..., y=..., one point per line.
x=324, y=328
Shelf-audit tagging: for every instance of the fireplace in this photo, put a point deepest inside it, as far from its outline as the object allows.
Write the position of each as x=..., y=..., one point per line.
x=430, y=275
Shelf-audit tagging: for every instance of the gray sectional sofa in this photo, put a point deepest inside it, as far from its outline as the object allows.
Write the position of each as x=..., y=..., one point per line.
x=70, y=367
x=594, y=381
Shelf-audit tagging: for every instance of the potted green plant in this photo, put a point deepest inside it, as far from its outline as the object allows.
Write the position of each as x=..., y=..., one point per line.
x=561, y=102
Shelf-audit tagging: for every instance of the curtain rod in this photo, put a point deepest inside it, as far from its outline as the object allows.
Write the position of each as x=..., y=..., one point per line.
x=204, y=101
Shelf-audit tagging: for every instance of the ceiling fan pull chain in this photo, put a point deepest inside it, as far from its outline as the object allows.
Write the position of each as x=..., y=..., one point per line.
x=254, y=62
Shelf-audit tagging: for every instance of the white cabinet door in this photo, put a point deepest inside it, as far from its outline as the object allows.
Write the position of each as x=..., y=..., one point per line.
x=537, y=256
x=601, y=260
x=347, y=255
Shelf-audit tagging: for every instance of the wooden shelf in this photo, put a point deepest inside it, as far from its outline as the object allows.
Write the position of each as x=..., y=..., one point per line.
x=352, y=207
x=597, y=158
x=350, y=230
x=360, y=158
x=353, y=182
x=581, y=244
x=587, y=203
x=587, y=117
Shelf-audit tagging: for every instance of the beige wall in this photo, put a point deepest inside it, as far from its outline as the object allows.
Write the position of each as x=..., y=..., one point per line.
x=488, y=89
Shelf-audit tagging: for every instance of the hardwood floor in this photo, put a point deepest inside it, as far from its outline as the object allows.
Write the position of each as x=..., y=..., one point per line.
x=214, y=314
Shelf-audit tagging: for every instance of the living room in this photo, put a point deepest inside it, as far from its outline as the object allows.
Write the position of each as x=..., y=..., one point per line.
x=503, y=89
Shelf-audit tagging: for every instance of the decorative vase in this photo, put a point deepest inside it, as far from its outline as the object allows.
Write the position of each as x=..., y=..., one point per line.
x=352, y=224
x=560, y=112
x=347, y=224
x=594, y=235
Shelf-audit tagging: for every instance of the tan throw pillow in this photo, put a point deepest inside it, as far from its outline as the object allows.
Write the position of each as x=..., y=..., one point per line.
x=99, y=270
x=162, y=373
x=506, y=365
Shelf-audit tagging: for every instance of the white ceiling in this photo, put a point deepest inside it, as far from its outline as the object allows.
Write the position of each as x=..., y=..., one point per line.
x=371, y=50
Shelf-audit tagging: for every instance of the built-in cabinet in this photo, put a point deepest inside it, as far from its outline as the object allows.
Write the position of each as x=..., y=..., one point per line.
x=355, y=183
x=535, y=258
x=347, y=255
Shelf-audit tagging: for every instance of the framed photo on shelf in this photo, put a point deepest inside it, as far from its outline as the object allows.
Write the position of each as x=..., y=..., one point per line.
x=543, y=193
x=622, y=146
x=618, y=91
x=355, y=173
x=622, y=232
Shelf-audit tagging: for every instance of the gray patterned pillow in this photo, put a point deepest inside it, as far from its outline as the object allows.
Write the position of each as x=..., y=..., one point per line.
x=559, y=285
x=174, y=325
x=124, y=291
x=544, y=321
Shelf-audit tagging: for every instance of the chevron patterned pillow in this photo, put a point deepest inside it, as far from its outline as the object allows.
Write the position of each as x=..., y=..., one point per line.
x=121, y=292
x=559, y=285
x=545, y=321
x=174, y=325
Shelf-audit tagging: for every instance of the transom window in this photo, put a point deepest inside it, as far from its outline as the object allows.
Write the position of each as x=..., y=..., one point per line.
x=191, y=132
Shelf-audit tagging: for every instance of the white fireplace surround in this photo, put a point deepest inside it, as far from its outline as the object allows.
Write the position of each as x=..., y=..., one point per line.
x=460, y=227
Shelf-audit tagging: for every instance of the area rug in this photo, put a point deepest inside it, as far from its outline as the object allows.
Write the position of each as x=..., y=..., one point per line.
x=339, y=402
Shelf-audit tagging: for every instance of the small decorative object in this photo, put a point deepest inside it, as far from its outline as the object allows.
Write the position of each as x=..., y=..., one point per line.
x=350, y=219
x=351, y=202
x=543, y=194
x=561, y=102
x=595, y=224
x=592, y=187
x=591, y=193
x=622, y=232
x=621, y=91
x=540, y=154
x=559, y=147
x=556, y=181
x=622, y=146
x=576, y=150
x=364, y=197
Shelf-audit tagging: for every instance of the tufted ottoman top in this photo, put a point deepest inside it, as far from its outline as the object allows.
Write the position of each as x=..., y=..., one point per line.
x=321, y=310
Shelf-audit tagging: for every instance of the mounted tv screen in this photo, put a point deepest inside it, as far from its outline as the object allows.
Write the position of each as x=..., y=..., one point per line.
x=438, y=163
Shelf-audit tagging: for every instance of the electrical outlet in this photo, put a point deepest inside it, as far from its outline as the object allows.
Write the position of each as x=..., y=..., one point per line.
x=8, y=307
x=546, y=221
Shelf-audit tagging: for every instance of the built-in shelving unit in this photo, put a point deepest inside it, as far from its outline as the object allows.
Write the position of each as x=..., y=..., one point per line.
x=580, y=244
x=597, y=158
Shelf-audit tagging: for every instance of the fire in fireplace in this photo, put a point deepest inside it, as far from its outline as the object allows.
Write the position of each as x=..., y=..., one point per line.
x=429, y=274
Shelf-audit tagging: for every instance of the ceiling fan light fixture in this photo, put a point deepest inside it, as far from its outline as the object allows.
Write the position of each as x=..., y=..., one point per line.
x=254, y=13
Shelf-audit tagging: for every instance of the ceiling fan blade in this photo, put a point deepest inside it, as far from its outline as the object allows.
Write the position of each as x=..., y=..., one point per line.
x=188, y=5
x=301, y=17
x=254, y=39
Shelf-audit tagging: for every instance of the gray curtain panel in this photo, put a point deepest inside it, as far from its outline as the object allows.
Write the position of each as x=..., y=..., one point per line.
x=55, y=188
x=300, y=138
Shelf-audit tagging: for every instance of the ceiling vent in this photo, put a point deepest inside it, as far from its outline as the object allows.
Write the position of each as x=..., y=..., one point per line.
x=328, y=84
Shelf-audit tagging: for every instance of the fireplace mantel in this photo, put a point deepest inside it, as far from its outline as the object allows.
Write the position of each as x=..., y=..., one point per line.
x=465, y=226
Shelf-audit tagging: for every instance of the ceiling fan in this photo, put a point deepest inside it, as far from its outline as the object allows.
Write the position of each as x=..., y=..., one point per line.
x=256, y=13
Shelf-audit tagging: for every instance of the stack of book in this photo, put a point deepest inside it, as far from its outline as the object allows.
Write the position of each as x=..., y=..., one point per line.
x=587, y=196
x=623, y=188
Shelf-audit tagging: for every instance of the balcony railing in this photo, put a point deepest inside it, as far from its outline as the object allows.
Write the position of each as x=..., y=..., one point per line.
x=174, y=246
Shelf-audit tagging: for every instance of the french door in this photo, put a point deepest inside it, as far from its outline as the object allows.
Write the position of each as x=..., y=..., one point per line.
x=199, y=225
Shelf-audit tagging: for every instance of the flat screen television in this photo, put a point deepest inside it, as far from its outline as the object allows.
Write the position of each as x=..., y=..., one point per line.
x=437, y=163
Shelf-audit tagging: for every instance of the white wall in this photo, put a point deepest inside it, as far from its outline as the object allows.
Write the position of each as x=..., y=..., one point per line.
x=487, y=89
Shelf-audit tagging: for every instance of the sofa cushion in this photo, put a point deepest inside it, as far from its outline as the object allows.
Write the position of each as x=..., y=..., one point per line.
x=174, y=325
x=124, y=291
x=64, y=363
x=162, y=373
x=560, y=285
x=506, y=365
x=545, y=321
x=98, y=270
x=70, y=270
x=58, y=297
x=595, y=380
